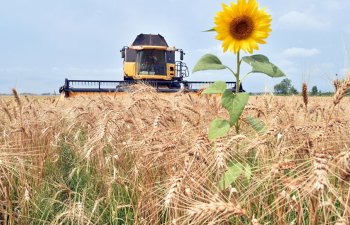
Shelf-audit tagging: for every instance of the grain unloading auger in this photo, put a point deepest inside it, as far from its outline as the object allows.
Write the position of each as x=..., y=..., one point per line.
x=148, y=60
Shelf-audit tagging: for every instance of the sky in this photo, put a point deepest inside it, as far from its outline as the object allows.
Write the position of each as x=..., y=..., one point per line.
x=42, y=42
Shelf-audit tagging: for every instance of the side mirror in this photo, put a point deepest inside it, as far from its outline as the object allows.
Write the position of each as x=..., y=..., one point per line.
x=182, y=55
x=123, y=51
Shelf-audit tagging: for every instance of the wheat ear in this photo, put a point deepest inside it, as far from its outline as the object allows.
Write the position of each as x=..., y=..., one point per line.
x=305, y=95
x=204, y=212
x=6, y=110
x=341, y=91
x=18, y=100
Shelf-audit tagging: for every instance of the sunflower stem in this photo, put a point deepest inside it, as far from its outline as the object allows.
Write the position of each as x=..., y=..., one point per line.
x=237, y=85
x=238, y=71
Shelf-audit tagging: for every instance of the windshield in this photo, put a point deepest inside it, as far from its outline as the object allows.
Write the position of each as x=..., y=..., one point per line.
x=152, y=62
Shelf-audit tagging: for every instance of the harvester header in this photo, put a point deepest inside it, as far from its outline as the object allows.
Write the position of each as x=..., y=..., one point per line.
x=150, y=60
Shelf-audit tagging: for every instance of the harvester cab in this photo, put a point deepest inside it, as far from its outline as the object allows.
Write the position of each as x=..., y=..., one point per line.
x=148, y=60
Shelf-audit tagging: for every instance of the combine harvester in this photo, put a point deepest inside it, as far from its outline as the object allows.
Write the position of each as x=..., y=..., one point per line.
x=148, y=60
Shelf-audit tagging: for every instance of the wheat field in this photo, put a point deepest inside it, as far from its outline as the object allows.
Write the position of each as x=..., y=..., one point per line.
x=144, y=158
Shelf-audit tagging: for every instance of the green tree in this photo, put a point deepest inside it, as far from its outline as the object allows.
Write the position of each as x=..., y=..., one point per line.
x=293, y=91
x=314, y=90
x=283, y=87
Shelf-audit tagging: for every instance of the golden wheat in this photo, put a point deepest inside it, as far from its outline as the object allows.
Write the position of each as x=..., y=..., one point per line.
x=154, y=148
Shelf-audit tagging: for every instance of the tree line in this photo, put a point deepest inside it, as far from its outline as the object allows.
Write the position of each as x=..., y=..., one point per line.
x=285, y=87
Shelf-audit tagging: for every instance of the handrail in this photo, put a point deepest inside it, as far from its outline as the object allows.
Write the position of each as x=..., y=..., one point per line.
x=117, y=86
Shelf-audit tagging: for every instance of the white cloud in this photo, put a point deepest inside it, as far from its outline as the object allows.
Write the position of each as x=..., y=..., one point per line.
x=84, y=70
x=296, y=20
x=335, y=5
x=345, y=71
x=16, y=69
x=217, y=50
x=300, y=52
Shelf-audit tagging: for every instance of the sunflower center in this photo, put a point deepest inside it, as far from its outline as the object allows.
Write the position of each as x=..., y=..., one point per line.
x=241, y=27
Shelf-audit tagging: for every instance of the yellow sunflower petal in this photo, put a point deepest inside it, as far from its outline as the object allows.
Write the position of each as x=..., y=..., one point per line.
x=242, y=26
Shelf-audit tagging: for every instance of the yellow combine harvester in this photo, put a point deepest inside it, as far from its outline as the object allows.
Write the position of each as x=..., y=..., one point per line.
x=149, y=60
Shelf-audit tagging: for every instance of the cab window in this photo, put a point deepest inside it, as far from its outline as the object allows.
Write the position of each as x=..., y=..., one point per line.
x=152, y=62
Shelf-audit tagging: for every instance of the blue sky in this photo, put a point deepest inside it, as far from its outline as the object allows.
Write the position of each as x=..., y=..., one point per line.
x=43, y=42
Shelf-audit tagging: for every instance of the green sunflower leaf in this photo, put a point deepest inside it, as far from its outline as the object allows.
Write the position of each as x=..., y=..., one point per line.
x=218, y=128
x=230, y=176
x=258, y=125
x=208, y=62
x=210, y=30
x=234, y=104
x=261, y=64
x=217, y=87
x=247, y=172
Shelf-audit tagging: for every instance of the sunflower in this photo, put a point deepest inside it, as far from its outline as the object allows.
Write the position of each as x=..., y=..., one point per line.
x=242, y=26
